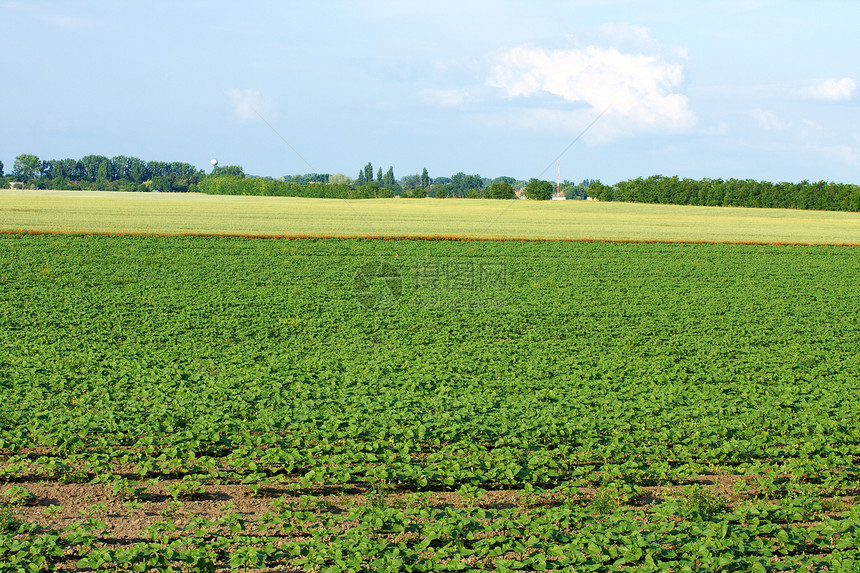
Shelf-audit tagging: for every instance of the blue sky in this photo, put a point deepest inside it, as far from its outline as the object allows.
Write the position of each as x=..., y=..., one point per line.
x=747, y=89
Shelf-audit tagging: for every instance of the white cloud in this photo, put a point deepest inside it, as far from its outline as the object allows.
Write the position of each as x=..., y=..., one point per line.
x=638, y=90
x=843, y=153
x=444, y=98
x=830, y=90
x=248, y=103
x=769, y=120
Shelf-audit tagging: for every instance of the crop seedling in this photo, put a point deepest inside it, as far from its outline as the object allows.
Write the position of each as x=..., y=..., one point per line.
x=17, y=496
x=186, y=490
x=171, y=509
x=626, y=367
x=417, y=500
x=94, y=510
x=133, y=506
x=52, y=510
x=312, y=503
x=125, y=491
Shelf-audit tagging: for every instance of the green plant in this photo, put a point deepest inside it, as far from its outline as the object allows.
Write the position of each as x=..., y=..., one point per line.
x=73, y=475
x=835, y=505
x=17, y=496
x=52, y=510
x=159, y=532
x=124, y=490
x=133, y=506
x=170, y=509
x=805, y=501
x=282, y=504
x=94, y=510
x=311, y=503
x=417, y=500
x=531, y=497
x=377, y=492
x=604, y=502
x=703, y=501
x=186, y=490
x=9, y=521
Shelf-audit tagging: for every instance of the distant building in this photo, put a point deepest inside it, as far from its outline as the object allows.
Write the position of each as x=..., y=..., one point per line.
x=16, y=185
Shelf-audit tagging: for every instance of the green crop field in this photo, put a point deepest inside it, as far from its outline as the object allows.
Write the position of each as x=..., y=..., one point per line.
x=194, y=213
x=230, y=403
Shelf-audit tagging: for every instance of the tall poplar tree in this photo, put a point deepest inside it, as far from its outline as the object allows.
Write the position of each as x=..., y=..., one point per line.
x=388, y=179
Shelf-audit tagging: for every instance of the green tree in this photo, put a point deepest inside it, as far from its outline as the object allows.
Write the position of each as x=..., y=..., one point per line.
x=137, y=170
x=235, y=170
x=362, y=178
x=388, y=178
x=440, y=190
x=103, y=173
x=90, y=165
x=506, y=179
x=45, y=168
x=26, y=167
x=540, y=190
x=410, y=181
x=119, y=168
x=162, y=183
x=461, y=184
x=417, y=193
x=425, y=178
x=1, y=169
x=59, y=183
x=599, y=191
x=339, y=179
x=368, y=172
x=65, y=169
x=500, y=190
x=379, y=175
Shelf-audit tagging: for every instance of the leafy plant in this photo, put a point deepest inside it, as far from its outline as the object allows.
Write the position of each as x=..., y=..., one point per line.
x=9, y=521
x=604, y=502
x=629, y=368
x=124, y=490
x=52, y=510
x=704, y=502
x=186, y=490
x=17, y=496
x=377, y=492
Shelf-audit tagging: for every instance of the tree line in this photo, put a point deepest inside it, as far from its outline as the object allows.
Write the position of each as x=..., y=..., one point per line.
x=123, y=173
x=118, y=173
x=820, y=195
x=368, y=184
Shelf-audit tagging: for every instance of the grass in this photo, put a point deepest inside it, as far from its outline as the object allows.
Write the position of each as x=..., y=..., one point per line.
x=82, y=211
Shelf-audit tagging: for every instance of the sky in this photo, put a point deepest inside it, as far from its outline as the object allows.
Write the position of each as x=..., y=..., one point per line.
x=617, y=89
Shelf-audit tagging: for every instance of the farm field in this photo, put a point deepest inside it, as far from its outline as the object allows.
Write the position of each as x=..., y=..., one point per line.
x=180, y=213
x=226, y=403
